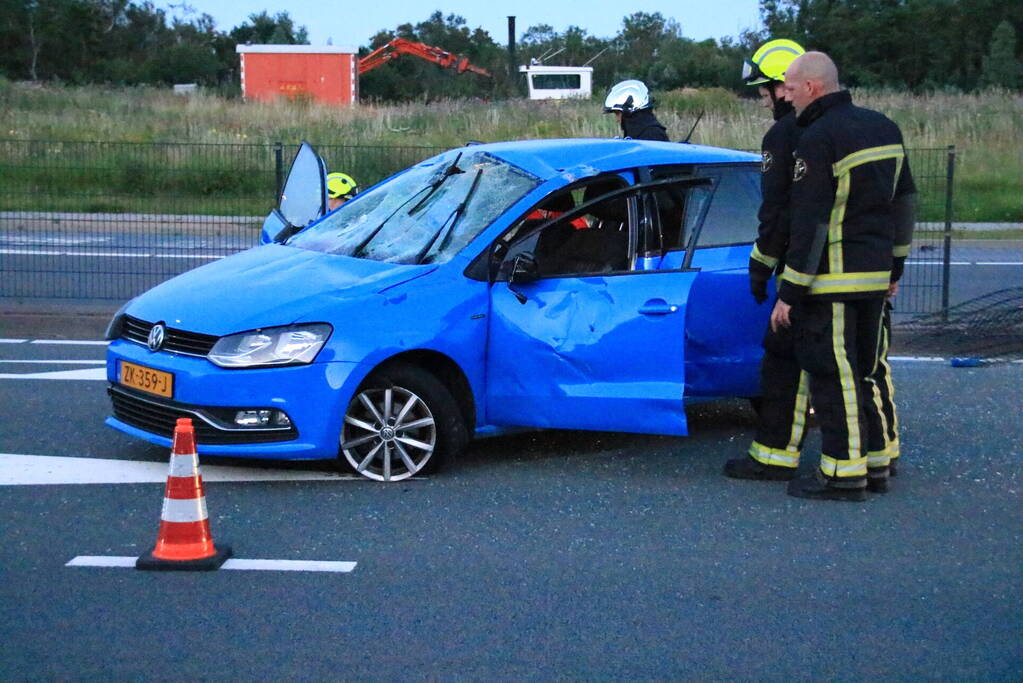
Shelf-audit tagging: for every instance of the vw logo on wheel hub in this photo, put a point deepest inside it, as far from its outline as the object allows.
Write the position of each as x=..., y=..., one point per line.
x=156, y=335
x=387, y=433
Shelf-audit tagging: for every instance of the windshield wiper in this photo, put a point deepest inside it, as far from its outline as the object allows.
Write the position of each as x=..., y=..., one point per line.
x=452, y=219
x=451, y=170
x=362, y=245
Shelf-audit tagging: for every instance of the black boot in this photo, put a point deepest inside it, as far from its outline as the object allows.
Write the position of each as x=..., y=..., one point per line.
x=891, y=469
x=813, y=488
x=748, y=468
x=877, y=479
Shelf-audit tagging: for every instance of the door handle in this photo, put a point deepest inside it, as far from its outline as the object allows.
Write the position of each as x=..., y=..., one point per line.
x=657, y=307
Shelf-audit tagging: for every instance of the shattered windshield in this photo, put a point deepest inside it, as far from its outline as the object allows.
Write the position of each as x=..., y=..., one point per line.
x=425, y=215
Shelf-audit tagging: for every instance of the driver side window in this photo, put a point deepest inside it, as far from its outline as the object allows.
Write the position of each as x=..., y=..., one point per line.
x=582, y=242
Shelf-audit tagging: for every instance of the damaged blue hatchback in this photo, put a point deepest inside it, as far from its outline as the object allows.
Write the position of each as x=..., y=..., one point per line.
x=572, y=284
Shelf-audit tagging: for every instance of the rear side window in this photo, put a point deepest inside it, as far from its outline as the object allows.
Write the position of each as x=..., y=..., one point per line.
x=734, y=201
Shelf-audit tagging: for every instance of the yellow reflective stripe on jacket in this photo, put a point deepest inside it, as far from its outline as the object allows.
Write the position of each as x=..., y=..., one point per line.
x=773, y=456
x=841, y=171
x=830, y=467
x=846, y=283
x=867, y=155
x=900, y=250
x=835, y=261
x=760, y=256
x=797, y=278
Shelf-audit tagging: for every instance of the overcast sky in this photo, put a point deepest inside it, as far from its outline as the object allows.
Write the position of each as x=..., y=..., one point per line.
x=354, y=23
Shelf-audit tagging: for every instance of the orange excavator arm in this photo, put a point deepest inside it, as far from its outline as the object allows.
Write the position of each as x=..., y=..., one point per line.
x=400, y=46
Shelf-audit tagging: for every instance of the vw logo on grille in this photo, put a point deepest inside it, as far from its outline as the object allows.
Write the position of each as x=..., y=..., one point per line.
x=155, y=340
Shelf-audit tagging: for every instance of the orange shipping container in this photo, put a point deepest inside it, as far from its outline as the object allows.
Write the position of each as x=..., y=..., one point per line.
x=325, y=73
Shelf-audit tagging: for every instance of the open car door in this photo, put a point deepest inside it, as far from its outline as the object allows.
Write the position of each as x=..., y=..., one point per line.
x=581, y=334
x=303, y=201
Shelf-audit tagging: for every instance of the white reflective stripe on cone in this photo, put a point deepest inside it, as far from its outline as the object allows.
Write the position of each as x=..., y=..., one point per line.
x=188, y=510
x=183, y=465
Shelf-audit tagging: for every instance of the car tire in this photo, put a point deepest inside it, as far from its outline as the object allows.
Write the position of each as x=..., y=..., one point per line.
x=401, y=422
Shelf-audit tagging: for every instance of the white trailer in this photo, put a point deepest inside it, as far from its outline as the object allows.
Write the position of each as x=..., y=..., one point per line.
x=558, y=82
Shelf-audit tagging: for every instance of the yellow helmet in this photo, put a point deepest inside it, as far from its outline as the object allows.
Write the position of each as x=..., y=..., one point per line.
x=770, y=62
x=340, y=185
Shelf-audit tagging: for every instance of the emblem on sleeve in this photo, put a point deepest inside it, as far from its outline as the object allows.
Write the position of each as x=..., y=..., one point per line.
x=799, y=170
x=765, y=162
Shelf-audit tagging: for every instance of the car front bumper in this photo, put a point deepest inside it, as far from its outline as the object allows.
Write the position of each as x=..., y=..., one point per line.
x=313, y=397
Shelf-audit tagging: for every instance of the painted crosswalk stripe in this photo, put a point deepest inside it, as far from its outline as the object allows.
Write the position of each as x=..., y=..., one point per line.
x=233, y=563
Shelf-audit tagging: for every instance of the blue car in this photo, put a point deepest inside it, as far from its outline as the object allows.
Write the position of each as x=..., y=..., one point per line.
x=571, y=284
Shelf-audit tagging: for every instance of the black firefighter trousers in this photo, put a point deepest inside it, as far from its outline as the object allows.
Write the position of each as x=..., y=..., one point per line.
x=785, y=404
x=838, y=344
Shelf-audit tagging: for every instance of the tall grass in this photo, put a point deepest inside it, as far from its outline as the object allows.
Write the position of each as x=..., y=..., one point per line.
x=986, y=128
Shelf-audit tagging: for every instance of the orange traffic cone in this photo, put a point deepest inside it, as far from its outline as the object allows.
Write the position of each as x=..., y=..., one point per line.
x=184, y=541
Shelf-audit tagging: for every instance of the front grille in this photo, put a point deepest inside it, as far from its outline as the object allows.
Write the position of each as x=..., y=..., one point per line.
x=158, y=416
x=174, y=340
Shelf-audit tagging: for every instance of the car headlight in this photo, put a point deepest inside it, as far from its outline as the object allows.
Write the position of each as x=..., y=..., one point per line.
x=291, y=345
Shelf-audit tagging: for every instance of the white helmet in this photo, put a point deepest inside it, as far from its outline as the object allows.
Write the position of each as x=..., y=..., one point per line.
x=627, y=97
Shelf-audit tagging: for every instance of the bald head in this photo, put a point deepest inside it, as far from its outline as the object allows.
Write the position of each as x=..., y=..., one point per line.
x=815, y=66
x=810, y=76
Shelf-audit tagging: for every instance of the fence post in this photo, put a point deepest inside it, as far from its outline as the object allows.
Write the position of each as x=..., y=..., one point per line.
x=278, y=171
x=947, y=265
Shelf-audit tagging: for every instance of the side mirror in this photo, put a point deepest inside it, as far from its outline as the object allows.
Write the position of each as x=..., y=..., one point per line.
x=524, y=269
x=275, y=228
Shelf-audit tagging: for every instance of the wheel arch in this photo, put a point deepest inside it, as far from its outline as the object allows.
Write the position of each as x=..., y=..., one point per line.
x=447, y=371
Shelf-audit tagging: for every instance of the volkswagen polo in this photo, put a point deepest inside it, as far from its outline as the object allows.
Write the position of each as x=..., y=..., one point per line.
x=573, y=284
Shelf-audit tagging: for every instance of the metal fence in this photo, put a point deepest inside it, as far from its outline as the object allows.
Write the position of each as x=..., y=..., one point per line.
x=925, y=285
x=104, y=221
x=97, y=221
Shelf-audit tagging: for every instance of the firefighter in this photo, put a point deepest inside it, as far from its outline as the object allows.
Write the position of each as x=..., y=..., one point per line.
x=634, y=108
x=340, y=188
x=783, y=406
x=850, y=228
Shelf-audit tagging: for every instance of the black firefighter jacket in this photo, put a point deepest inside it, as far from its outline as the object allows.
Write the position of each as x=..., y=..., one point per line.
x=643, y=125
x=777, y=158
x=852, y=202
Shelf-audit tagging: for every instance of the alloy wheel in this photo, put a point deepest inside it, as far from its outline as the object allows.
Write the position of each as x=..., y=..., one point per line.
x=389, y=434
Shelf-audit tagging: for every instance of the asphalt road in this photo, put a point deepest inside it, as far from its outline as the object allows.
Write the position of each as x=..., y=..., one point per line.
x=537, y=556
x=115, y=267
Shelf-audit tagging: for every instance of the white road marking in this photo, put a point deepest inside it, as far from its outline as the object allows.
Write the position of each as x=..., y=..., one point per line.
x=13, y=341
x=937, y=359
x=92, y=374
x=30, y=470
x=56, y=362
x=69, y=342
x=917, y=262
x=258, y=565
x=108, y=254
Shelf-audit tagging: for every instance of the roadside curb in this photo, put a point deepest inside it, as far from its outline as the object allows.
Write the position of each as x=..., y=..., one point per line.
x=55, y=320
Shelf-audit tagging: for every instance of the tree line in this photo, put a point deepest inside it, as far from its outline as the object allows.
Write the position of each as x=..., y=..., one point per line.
x=906, y=44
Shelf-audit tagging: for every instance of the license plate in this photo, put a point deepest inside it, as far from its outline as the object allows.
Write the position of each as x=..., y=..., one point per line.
x=146, y=379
